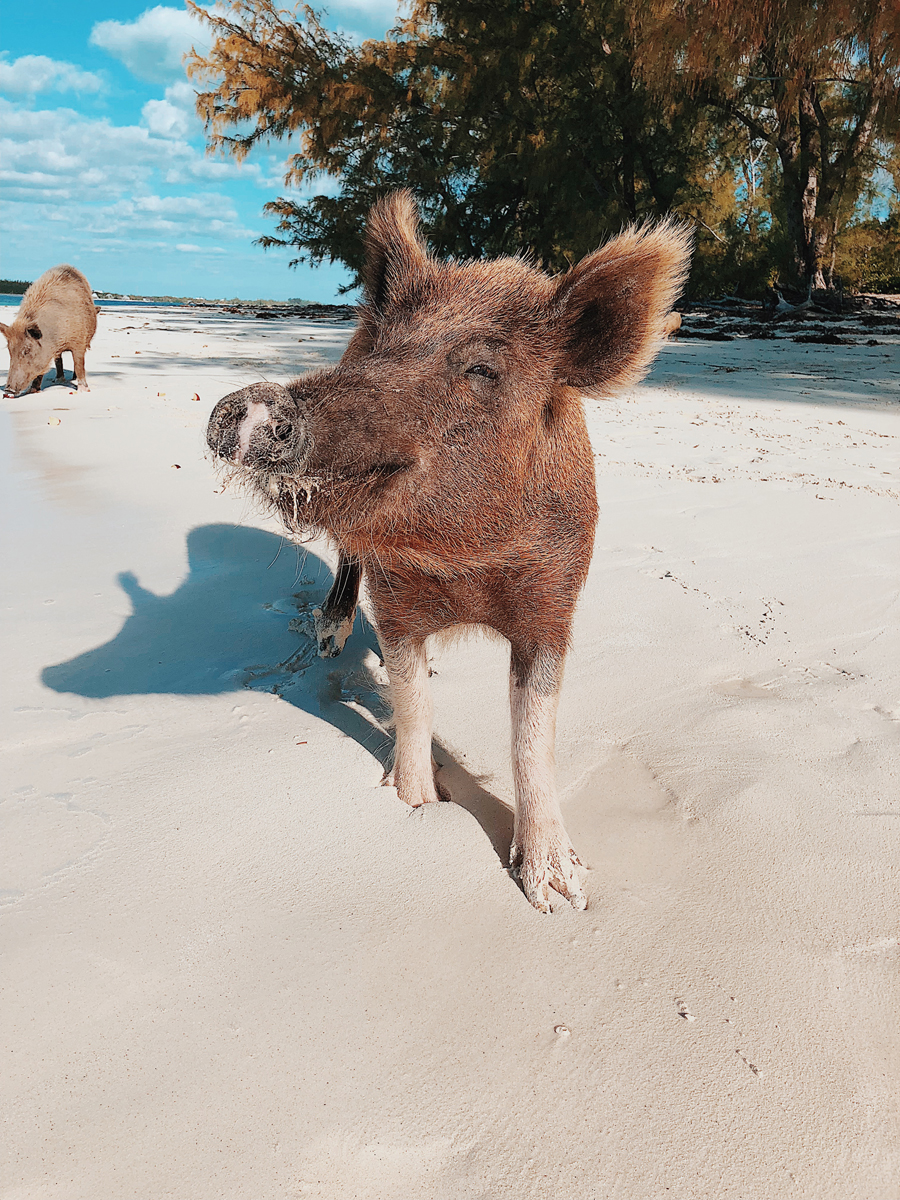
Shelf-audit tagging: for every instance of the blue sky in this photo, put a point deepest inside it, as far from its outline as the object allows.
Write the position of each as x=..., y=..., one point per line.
x=104, y=163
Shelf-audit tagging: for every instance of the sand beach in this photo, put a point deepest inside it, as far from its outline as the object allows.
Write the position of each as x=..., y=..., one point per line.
x=236, y=967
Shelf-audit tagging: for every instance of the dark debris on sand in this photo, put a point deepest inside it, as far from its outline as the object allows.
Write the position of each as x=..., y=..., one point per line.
x=825, y=321
x=309, y=312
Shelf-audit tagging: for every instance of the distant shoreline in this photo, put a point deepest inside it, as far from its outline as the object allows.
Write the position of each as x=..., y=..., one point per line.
x=264, y=309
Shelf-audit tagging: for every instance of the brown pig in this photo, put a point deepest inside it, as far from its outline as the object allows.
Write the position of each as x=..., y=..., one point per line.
x=57, y=313
x=447, y=456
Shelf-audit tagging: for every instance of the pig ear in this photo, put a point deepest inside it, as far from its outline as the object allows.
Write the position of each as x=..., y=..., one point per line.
x=4, y=329
x=34, y=331
x=395, y=250
x=611, y=307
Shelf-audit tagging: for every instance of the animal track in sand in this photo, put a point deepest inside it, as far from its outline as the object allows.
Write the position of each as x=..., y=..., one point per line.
x=825, y=672
x=359, y=686
x=688, y=588
x=733, y=1037
x=766, y=627
x=758, y=633
x=277, y=676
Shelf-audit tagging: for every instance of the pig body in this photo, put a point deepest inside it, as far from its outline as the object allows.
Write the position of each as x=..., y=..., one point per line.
x=447, y=456
x=56, y=314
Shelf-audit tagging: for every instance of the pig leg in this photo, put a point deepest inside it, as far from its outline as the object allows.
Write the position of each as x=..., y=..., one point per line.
x=60, y=373
x=36, y=384
x=334, y=620
x=80, y=377
x=541, y=853
x=413, y=773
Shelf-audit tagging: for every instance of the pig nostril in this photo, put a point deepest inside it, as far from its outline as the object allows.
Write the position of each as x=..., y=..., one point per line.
x=282, y=431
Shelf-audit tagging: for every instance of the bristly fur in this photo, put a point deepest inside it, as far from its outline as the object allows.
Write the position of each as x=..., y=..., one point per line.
x=397, y=249
x=447, y=455
x=614, y=303
x=283, y=496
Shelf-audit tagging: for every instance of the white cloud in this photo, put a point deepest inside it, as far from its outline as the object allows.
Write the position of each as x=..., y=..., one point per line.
x=153, y=46
x=358, y=20
x=90, y=158
x=100, y=181
x=35, y=73
x=164, y=119
x=157, y=222
x=176, y=115
x=190, y=248
x=182, y=94
x=87, y=190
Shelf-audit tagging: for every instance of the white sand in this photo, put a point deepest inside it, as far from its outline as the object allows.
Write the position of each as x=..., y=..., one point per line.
x=235, y=967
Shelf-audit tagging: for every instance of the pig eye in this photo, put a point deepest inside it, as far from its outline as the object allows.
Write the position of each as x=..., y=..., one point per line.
x=484, y=371
x=281, y=431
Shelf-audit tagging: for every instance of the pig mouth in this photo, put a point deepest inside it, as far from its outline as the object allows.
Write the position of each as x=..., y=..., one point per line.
x=263, y=444
x=265, y=455
x=305, y=502
x=272, y=479
x=276, y=481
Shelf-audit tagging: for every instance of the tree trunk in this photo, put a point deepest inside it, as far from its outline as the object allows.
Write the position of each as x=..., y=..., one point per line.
x=800, y=151
x=820, y=239
x=799, y=204
x=625, y=95
x=814, y=180
x=629, y=197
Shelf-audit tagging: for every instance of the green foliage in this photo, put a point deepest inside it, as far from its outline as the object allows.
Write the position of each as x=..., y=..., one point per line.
x=867, y=257
x=546, y=125
x=817, y=81
x=517, y=124
x=739, y=265
x=13, y=287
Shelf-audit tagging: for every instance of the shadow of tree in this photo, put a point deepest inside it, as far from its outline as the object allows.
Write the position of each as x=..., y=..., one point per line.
x=239, y=620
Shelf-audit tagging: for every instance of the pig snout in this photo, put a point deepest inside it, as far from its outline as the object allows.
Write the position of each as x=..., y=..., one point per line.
x=22, y=378
x=259, y=427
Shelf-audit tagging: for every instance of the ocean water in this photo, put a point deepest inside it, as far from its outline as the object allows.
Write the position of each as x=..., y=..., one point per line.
x=9, y=301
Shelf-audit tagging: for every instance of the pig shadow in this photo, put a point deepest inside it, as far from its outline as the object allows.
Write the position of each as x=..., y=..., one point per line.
x=242, y=619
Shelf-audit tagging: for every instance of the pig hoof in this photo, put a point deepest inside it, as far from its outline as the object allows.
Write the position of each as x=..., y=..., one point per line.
x=414, y=792
x=547, y=862
x=331, y=635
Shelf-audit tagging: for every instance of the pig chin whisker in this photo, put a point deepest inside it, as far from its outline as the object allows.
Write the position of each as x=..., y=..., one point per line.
x=299, y=492
x=287, y=496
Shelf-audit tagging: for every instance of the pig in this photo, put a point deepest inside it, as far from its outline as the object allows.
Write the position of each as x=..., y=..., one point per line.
x=448, y=458
x=57, y=313
x=672, y=325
